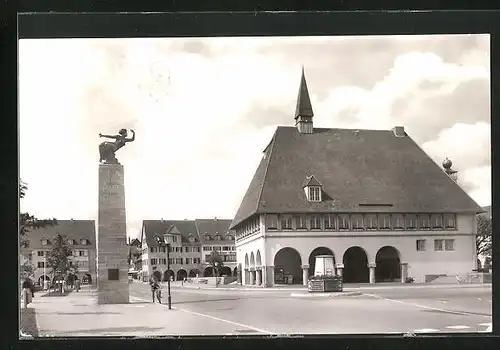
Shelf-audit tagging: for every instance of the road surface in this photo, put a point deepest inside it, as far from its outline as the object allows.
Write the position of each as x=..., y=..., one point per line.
x=393, y=310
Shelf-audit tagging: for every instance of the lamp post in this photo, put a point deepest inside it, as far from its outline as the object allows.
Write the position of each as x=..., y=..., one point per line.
x=161, y=243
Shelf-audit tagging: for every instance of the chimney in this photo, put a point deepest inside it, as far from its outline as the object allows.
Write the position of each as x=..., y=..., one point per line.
x=399, y=131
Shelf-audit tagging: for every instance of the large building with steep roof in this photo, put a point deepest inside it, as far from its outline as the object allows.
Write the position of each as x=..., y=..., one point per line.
x=192, y=241
x=371, y=198
x=80, y=236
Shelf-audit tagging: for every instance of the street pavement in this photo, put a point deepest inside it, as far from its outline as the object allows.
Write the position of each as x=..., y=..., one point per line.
x=414, y=309
x=272, y=311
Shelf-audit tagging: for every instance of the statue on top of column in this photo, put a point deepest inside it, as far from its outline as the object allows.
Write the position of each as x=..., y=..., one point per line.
x=107, y=149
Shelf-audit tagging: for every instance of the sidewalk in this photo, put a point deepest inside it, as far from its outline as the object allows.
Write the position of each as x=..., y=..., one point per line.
x=347, y=287
x=77, y=314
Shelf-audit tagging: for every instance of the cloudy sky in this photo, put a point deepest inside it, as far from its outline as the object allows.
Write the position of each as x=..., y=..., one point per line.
x=204, y=109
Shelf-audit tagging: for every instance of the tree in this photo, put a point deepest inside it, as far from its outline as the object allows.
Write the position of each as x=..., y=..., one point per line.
x=483, y=236
x=58, y=258
x=27, y=270
x=29, y=222
x=215, y=260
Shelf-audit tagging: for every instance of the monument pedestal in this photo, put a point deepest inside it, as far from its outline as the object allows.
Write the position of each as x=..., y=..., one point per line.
x=112, y=249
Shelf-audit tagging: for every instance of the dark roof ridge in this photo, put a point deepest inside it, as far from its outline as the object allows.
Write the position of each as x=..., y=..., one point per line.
x=343, y=129
x=449, y=178
x=271, y=145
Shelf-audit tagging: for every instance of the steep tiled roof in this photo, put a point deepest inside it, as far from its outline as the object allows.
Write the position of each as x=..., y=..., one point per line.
x=213, y=227
x=184, y=227
x=355, y=167
x=72, y=229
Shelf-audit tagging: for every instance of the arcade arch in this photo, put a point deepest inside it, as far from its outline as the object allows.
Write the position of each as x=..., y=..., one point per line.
x=194, y=272
x=287, y=262
x=356, y=269
x=181, y=274
x=168, y=274
x=388, y=265
x=319, y=251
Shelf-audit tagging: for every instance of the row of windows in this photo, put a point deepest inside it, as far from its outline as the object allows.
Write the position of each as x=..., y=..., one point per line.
x=82, y=264
x=174, y=249
x=369, y=221
x=45, y=241
x=225, y=258
x=249, y=228
x=178, y=261
x=218, y=238
x=439, y=245
x=75, y=253
x=218, y=248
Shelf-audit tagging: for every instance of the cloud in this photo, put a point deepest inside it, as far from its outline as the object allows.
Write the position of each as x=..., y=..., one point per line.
x=205, y=108
x=468, y=146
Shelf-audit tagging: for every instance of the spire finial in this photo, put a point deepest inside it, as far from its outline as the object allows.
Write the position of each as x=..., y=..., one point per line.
x=304, y=108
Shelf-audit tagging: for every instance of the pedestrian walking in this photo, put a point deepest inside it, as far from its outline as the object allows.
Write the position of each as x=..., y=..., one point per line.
x=155, y=286
x=77, y=284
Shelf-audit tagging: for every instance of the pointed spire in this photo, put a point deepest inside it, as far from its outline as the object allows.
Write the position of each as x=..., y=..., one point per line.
x=304, y=108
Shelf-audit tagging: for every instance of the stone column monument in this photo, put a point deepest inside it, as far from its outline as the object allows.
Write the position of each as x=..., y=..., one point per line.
x=112, y=249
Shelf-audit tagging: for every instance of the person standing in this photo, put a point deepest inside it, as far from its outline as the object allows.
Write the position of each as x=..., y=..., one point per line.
x=77, y=283
x=154, y=287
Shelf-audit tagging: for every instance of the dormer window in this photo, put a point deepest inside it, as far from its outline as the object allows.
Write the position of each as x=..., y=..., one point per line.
x=207, y=238
x=192, y=239
x=229, y=237
x=312, y=188
x=218, y=237
x=314, y=193
x=84, y=241
x=71, y=242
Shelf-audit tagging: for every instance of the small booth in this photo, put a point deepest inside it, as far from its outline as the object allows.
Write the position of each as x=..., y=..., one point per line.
x=325, y=278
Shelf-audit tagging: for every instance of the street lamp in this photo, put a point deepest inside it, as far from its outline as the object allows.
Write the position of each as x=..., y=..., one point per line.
x=161, y=242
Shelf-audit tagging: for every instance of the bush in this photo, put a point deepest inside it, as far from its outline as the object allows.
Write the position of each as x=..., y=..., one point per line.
x=326, y=277
x=409, y=279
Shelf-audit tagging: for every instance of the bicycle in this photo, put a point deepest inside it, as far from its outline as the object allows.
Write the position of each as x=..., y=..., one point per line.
x=158, y=295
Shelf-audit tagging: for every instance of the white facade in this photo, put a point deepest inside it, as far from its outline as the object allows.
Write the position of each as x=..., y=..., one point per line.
x=256, y=253
x=83, y=256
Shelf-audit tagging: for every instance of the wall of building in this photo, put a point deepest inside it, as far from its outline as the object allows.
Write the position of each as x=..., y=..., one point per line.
x=420, y=263
x=87, y=262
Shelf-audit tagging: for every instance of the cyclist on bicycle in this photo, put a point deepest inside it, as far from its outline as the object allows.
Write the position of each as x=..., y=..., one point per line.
x=155, y=289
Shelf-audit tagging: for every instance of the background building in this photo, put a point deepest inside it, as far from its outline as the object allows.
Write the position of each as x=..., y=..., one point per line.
x=215, y=236
x=81, y=237
x=188, y=238
x=371, y=198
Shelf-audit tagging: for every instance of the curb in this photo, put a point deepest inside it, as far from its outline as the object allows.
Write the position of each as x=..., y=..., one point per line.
x=325, y=295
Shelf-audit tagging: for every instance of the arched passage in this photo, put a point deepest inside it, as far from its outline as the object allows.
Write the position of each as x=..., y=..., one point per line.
x=157, y=275
x=388, y=265
x=252, y=260
x=181, y=274
x=168, y=274
x=87, y=278
x=235, y=272
x=225, y=270
x=316, y=252
x=247, y=264
x=258, y=259
x=287, y=262
x=42, y=278
x=193, y=273
x=355, y=266
x=208, y=272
